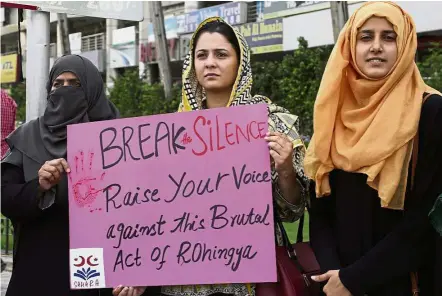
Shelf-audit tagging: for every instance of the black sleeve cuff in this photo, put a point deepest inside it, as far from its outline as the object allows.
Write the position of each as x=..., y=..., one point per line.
x=351, y=280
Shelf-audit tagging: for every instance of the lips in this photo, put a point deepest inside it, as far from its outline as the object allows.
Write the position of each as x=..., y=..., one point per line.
x=377, y=60
x=211, y=75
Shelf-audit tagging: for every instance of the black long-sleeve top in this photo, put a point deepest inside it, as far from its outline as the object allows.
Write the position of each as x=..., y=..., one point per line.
x=375, y=248
x=41, y=239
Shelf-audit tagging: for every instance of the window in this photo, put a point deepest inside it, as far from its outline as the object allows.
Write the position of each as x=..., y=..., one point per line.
x=92, y=42
x=252, y=11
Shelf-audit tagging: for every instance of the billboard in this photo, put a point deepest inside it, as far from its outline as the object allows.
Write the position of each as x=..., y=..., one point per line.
x=234, y=13
x=9, y=68
x=123, y=52
x=265, y=36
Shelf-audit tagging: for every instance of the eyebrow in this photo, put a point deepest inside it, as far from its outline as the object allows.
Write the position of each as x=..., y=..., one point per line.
x=372, y=31
x=216, y=49
x=69, y=80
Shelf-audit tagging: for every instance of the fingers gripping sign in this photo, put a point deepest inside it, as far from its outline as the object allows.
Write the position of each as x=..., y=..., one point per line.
x=128, y=291
x=281, y=151
x=85, y=183
x=50, y=173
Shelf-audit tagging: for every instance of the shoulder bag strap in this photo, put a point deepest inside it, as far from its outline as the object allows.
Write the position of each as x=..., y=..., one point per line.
x=413, y=275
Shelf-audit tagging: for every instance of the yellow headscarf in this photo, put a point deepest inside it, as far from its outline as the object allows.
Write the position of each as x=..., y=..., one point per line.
x=364, y=125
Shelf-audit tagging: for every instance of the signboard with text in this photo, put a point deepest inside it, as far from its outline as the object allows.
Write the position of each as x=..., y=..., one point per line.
x=9, y=68
x=174, y=199
x=265, y=36
x=234, y=13
x=275, y=9
x=121, y=10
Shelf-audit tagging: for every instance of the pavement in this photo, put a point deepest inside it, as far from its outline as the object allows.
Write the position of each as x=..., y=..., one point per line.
x=6, y=274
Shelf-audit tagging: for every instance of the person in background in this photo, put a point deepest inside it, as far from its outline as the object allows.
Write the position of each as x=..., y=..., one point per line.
x=34, y=182
x=217, y=73
x=376, y=160
x=8, y=113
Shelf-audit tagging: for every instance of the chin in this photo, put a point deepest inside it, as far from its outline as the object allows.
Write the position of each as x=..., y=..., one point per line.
x=212, y=86
x=375, y=74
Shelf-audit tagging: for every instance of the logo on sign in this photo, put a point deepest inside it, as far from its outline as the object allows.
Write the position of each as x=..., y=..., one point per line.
x=87, y=269
x=86, y=266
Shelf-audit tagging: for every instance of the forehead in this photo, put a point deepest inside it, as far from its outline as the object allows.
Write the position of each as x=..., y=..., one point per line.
x=66, y=76
x=376, y=23
x=209, y=41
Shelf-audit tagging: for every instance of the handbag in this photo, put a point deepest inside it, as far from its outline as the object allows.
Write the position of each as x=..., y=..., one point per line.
x=295, y=265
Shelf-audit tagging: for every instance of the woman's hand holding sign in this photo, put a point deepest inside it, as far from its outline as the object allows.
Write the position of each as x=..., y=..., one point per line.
x=128, y=291
x=50, y=173
x=281, y=152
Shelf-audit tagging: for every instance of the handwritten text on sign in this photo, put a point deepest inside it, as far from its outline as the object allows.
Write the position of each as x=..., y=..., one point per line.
x=171, y=199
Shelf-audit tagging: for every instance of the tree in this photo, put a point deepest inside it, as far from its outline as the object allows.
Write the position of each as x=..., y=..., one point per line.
x=18, y=93
x=133, y=97
x=294, y=82
x=430, y=67
x=126, y=93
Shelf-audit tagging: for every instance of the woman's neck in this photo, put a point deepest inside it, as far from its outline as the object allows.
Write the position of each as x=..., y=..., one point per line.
x=217, y=99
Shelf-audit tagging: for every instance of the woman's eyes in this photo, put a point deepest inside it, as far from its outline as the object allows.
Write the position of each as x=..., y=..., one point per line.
x=217, y=54
x=57, y=84
x=390, y=37
x=384, y=37
x=366, y=37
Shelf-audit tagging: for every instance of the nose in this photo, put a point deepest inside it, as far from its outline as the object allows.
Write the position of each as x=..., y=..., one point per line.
x=210, y=61
x=377, y=44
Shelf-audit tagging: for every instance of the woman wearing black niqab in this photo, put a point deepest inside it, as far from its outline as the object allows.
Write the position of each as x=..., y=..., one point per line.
x=34, y=184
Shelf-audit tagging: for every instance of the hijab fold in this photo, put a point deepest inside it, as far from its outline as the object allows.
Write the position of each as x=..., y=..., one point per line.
x=364, y=125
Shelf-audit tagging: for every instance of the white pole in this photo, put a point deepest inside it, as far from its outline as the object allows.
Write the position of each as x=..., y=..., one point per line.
x=339, y=13
x=37, y=62
x=156, y=12
x=111, y=25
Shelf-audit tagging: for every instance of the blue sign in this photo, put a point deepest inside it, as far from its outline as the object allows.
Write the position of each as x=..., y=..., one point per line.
x=234, y=13
x=170, y=26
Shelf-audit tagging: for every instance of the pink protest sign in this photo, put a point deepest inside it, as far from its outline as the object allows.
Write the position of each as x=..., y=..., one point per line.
x=175, y=199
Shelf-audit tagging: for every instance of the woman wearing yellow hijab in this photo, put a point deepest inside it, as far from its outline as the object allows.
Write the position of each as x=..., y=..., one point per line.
x=375, y=157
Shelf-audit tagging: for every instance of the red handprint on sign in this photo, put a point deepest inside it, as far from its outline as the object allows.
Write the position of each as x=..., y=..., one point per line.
x=83, y=182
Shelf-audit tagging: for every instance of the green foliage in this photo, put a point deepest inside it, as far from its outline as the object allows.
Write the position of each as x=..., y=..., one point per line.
x=133, y=97
x=294, y=82
x=431, y=67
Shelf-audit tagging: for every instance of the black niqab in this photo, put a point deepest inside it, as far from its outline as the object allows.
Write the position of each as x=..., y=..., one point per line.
x=45, y=138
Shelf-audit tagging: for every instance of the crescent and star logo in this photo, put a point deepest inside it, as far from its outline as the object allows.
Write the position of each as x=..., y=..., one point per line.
x=85, y=272
x=84, y=261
